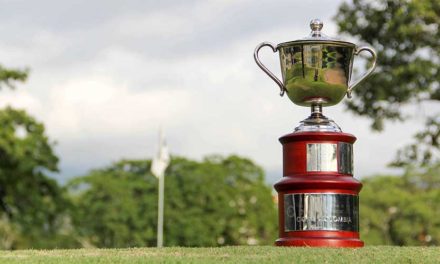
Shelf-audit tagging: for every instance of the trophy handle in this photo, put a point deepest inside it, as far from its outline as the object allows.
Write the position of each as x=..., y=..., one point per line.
x=370, y=70
x=269, y=73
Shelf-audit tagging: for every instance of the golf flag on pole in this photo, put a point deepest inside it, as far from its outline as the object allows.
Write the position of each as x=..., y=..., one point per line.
x=158, y=166
x=162, y=159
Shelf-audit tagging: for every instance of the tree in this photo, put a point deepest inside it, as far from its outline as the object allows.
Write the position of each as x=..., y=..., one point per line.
x=402, y=211
x=406, y=35
x=31, y=203
x=8, y=77
x=218, y=201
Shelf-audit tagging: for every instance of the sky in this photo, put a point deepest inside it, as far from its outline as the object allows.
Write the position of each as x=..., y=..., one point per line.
x=105, y=75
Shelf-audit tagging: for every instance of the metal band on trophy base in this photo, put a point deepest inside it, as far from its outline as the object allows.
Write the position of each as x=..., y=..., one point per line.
x=318, y=197
x=321, y=211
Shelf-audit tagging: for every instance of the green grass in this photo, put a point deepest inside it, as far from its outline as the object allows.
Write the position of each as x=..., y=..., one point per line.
x=242, y=254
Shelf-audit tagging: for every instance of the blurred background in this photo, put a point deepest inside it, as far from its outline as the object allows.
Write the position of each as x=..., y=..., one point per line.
x=85, y=86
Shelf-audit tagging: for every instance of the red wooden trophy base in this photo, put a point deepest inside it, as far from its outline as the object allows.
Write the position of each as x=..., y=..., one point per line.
x=318, y=196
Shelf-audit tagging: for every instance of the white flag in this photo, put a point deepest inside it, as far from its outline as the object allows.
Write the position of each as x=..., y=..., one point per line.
x=162, y=159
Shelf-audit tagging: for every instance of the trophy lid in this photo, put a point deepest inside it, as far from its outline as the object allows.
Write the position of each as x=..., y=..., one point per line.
x=317, y=37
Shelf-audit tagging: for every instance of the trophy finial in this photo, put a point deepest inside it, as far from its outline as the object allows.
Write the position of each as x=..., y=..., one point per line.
x=316, y=26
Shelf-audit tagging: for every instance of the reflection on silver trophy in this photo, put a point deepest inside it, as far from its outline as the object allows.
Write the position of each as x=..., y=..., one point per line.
x=316, y=70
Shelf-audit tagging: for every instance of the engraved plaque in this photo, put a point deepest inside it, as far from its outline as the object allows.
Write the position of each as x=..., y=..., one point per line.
x=321, y=211
x=322, y=157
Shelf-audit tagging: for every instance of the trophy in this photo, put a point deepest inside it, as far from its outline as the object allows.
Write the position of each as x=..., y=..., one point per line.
x=318, y=198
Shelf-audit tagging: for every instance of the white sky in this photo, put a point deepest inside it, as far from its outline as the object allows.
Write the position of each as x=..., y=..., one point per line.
x=106, y=74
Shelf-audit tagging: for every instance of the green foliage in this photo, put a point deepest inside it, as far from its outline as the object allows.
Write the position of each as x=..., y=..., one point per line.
x=402, y=211
x=32, y=207
x=425, y=151
x=31, y=203
x=9, y=76
x=405, y=34
x=219, y=201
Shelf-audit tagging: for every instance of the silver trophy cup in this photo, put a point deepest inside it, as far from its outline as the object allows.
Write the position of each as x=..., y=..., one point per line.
x=316, y=70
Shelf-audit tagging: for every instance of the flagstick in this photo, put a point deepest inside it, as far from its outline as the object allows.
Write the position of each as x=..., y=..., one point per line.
x=160, y=212
x=158, y=167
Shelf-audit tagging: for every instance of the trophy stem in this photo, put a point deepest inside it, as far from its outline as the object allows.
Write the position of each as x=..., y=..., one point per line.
x=316, y=111
x=317, y=122
x=317, y=117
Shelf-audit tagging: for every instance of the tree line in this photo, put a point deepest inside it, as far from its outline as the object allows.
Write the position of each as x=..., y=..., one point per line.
x=214, y=202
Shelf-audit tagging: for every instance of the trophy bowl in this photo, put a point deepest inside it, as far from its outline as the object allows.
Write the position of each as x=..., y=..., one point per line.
x=316, y=70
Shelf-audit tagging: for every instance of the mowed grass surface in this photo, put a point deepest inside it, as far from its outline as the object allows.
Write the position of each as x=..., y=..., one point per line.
x=241, y=254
